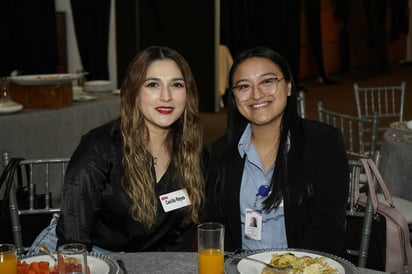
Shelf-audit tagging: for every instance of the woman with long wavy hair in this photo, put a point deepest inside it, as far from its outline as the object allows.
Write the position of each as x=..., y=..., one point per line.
x=136, y=183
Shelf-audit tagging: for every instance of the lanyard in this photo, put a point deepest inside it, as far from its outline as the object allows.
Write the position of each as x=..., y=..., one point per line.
x=262, y=191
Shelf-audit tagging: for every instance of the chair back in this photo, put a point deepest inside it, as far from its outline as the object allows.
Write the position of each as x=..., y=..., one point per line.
x=301, y=104
x=359, y=134
x=30, y=195
x=359, y=143
x=387, y=102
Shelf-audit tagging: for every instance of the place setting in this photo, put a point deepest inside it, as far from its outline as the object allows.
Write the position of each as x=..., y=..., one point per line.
x=287, y=261
x=70, y=259
x=79, y=95
x=402, y=131
x=91, y=89
x=213, y=259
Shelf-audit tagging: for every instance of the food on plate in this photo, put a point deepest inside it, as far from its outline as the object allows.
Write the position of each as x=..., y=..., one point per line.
x=44, y=267
x=71, y=265
x=299, y=265
x=36, y=268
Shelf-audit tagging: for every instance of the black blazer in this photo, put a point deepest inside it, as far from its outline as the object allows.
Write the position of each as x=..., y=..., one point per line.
x=318, y=224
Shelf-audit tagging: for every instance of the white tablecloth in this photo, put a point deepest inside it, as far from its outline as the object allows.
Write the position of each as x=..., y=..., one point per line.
x=47, y=133
x=396, y=166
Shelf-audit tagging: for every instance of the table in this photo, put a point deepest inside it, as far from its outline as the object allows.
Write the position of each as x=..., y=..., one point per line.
x=49, y=133
x=172, y=263
x=396, y=168
x=54, y=133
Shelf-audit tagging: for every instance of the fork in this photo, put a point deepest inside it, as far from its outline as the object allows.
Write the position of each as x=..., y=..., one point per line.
x=240, y=257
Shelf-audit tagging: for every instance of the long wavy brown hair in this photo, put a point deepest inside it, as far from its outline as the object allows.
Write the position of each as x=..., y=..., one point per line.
x=184, y=140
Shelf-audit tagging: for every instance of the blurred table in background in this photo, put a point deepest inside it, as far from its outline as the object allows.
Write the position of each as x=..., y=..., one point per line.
x=47, y=133
x=396, y=166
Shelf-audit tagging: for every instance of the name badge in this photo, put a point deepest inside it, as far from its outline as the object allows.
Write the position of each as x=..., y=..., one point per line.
x=253, y=224
x=174, y=200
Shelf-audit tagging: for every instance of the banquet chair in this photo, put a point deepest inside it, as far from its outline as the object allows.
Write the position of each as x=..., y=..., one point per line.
x=358, y=144
x=301, y=104
x=30, y=196
x=387, y=102
x=359, y=134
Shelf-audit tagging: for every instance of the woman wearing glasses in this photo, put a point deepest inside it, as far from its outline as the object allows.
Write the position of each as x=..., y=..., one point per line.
x=287, y=173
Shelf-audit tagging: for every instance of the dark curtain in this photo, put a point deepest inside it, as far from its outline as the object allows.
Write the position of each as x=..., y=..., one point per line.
x=28, y=37
x=341, y=12
x=399, y=19
x=275, y=24
x=91, y=23
x=315, y=36
x=375, y=13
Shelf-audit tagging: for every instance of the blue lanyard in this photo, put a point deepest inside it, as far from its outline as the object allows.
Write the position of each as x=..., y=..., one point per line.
x=262, y=191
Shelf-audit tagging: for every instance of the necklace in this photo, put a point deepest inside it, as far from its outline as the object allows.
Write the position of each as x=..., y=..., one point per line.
x=156, y=158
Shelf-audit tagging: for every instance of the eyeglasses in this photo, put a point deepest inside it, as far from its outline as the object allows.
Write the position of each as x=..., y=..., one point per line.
x=268, y=86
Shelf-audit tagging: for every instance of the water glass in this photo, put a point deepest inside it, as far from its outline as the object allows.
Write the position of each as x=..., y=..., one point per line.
x=72, y=259
x=8, y=259
x=210, y=248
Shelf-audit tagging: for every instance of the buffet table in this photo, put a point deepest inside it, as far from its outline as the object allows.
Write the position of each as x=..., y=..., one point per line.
x=174, y=263
x=396, y=165
x=54, y=133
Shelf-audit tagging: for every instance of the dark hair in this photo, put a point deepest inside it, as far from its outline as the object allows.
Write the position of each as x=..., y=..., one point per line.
x=282, y=180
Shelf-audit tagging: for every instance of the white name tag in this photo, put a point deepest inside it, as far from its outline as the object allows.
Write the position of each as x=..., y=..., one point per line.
x=174, y=200
x=253, y=224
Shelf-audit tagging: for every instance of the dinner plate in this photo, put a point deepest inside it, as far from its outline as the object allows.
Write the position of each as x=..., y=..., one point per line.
x=250, y=267
x=408, y=138
x=246, y=266
x=44, y=79
x=83, y=97
x=10, y=107
x=400, y=126
x=98, y=86
x=98, y=264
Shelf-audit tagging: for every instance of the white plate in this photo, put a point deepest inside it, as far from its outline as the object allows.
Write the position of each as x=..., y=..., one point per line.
x=83, y=97
x=96, y=265
x=400, y=126
x=408, y=138
x=249, y=267
x=44, y=79
x=98, y=86
x=10, y=107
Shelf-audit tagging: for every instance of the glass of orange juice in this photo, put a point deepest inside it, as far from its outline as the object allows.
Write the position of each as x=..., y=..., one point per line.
x=8, y=258
x=210, y=248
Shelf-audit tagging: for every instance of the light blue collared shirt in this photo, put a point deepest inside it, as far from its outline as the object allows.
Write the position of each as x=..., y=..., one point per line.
x=273, y=222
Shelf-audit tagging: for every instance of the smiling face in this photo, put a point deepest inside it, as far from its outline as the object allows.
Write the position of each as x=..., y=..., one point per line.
x=162, y=97
x=260, y=91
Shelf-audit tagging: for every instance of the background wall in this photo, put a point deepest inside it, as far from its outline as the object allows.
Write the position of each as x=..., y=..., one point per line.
x=73, y=56
x=185, y=25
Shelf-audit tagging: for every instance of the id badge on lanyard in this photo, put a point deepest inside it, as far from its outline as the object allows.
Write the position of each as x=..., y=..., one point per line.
x=253, y=217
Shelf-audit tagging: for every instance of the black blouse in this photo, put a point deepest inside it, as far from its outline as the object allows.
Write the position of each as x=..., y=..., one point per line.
x=95, y=208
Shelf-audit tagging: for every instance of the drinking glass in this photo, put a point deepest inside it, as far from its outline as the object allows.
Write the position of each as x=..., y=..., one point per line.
x=8, y=258
x=210, y=248
x=5, y=100
x=4, y=96
x=72, y=259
